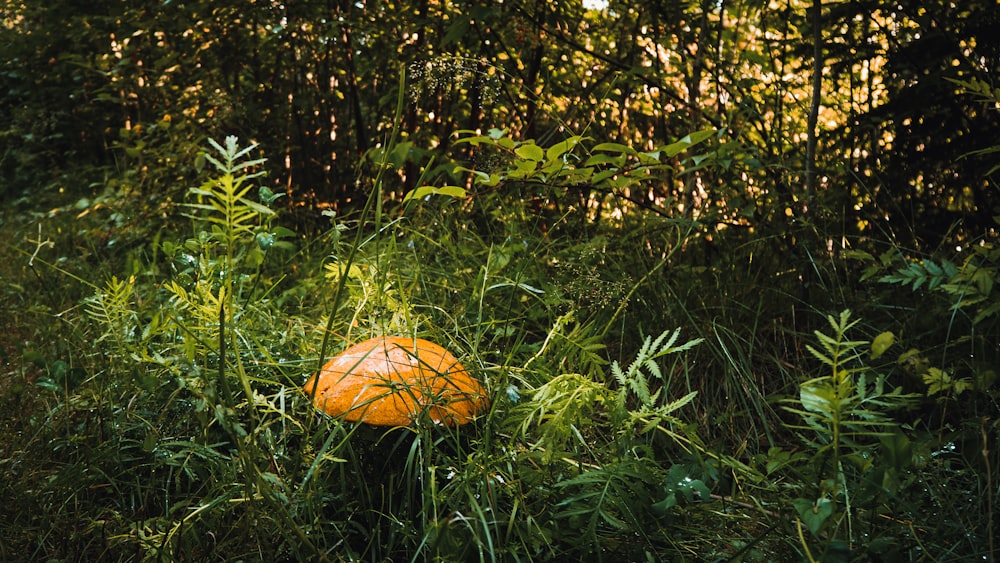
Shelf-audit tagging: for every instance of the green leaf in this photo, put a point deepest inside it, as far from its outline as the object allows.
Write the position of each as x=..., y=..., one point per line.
x=681, y=489
x=813, y=514
x=939, y=381
x=816, y=396
x=253, y=205
x=687, y=142
x=599, y=159
x=983, y=278
x=267, y=196
x=858, y=255
x=559, y=149
x=424, y=191
x=475, y=140
x=670, y=407
x=506, y=143
x=523, y=168
x=987, y=312
x=897, y=450
x=819, y=355
x=283, y=232
x=881, y=343
x=778, y=458
x=530, y=151
x=605, y=175
x=666, y=504
x=265, y=241
x=614, y=147
x=518, y=285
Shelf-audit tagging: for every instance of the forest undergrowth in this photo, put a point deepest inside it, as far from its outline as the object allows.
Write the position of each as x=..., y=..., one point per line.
x=661, y=387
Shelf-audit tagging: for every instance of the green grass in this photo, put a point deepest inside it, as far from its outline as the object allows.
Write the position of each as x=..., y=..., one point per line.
x=652, y=398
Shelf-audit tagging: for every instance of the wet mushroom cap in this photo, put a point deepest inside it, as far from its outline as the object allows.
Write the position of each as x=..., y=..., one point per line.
x=390, y=381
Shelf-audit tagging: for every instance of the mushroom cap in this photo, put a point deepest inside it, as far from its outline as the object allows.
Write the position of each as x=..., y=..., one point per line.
x=389, y=381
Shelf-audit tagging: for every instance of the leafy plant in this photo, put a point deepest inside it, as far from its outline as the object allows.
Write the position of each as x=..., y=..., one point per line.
x=681, y=489
x=194, y=348
x=602, y=443
x=603, y=502
x=846, y=413
x=923, y=273
x=607, y=167
x=635, y=381
x=561, y=409
x=213, y=287
x=970, y=286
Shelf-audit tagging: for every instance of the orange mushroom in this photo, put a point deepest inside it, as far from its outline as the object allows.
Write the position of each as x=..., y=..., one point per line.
x=389, y=381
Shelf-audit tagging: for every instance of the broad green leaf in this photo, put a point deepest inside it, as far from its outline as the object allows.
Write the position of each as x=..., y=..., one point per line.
x=598, y=159
x=506, y=143
x=283, y=232
x=552, y=166
x=523, y=169
x=530, y=151
x=687, y=142
x=561, y=148
x=649, y=158
x=424, y=191
x=881, y=343
x=614, y=147
x=858, y=255
x=267, y=196
x=265, y=241
x=475, y=140
x=813, y=514
x=666, y=504
x=604, y=175
x=816, y=396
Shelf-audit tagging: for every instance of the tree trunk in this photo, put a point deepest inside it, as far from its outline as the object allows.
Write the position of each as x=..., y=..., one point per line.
x=817, y=87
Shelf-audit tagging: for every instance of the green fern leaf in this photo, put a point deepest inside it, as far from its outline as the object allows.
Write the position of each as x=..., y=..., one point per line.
x=819, y=355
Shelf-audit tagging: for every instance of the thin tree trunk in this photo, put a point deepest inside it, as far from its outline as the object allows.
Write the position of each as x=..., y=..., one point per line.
x=817, y=89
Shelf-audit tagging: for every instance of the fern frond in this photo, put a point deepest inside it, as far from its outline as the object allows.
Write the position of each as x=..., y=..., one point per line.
x=658, y=343
x=826, y=360
x=618, y=374
x=653, y=368
x=557, y=409
x=635, y=368
x=674, y=405
x=644, y=366
x=669, y=348
x=113, y=309
x=925, y=272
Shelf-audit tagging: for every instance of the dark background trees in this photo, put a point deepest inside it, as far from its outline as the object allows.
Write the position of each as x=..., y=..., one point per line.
x=315, y=83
